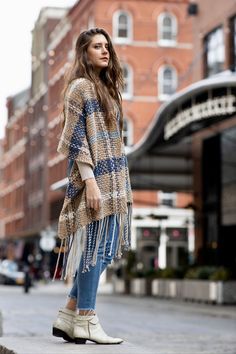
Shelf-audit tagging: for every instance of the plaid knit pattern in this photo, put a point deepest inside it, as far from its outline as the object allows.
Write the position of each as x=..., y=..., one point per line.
x=86, y=138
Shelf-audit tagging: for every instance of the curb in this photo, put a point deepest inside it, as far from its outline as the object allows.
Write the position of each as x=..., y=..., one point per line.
x=4, y=350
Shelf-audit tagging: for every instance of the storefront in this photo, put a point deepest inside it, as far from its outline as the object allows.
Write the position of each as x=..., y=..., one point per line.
x=191, y=146
x=162, y=237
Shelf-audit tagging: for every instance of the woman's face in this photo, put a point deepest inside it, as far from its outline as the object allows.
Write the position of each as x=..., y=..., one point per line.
x=98, y=52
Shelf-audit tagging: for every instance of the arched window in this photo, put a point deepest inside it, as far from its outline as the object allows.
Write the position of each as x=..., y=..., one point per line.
x=167, y=25
x=128, y=81
x=167, y=81
x=128, y=132
x=122, y=26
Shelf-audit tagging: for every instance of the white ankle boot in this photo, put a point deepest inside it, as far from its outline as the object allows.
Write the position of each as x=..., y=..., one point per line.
x=63, y=326
x=89, y=328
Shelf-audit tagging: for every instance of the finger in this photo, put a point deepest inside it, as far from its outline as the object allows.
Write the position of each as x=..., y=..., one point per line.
x=96, y=205
x=90, y=203
x=99, y=204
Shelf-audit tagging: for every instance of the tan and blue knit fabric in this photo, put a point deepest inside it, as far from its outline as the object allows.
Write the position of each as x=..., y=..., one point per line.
x=86, y=138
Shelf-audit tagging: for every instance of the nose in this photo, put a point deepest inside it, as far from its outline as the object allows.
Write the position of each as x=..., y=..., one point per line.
x=105, y=50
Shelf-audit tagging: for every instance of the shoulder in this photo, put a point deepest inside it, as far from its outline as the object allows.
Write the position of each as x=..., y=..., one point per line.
x=80, y=86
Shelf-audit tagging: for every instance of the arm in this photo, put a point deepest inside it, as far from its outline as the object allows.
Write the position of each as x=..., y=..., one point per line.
x=85, y=170
x=93, y=194
x=73, y=140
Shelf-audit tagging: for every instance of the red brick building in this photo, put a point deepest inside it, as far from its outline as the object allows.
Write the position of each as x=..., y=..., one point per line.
x=23, y=196
x=13, y=162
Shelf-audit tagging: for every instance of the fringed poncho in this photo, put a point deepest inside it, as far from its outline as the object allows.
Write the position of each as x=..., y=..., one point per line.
x=85, y=138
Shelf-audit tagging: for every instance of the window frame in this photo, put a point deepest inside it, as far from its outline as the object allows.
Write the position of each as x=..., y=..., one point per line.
x=206, y=44
x=129, y=94
x=160, y=29
x=160, y=80
x=130, y=130
x=115, y=27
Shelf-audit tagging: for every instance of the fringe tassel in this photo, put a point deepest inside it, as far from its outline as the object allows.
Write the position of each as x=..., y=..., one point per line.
x=72, y=254
x=67, y=249
x=113, y=235
x=89, y=246
x=88, y=239
x=99, y=237
x=129, y=220
x=58, y=258
x=118, y=252
x=107, y=229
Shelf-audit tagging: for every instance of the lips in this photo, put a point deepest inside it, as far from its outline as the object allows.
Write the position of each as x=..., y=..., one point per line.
x=105, y=58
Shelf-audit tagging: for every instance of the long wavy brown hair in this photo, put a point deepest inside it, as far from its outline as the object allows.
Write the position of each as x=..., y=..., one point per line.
x=111, y=78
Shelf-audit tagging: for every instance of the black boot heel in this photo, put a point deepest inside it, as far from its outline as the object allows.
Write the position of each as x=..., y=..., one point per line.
x=80, y=341
x=57, y=332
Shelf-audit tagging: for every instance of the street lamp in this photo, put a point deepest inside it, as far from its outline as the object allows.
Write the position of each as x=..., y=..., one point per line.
x=47, y=243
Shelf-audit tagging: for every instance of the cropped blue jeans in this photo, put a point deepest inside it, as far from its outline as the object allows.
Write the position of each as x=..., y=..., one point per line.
x=85, y=286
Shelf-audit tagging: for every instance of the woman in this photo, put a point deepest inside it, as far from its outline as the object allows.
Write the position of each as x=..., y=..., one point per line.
x=95, y=220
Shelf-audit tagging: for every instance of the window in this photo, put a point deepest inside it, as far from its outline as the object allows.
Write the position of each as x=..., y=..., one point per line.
x=167, y=82
x=122, y=27
x=128, y=132
x=167, y=25
x=214, y=52
x=128, y=82
x=233, y=44
x=167, y=199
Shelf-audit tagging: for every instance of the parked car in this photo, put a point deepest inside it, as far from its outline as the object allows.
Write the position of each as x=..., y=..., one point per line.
x=10, y=274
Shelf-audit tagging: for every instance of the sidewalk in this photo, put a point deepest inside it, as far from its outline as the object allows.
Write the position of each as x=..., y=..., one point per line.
x=148, y=325
x=226, y=311
x=49, y=345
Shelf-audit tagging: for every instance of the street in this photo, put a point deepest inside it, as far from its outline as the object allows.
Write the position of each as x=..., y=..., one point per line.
x=148, y=325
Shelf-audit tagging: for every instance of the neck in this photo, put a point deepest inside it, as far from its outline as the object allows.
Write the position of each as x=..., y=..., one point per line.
x=97, y=71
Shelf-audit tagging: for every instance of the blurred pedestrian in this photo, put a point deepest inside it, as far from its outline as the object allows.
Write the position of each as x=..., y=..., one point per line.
x=95, y=220
x=27, y=278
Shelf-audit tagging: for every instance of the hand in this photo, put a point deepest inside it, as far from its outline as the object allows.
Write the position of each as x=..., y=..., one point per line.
x=93, y=194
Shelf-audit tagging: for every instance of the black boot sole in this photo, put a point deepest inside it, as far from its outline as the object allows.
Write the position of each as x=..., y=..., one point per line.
x=56, y=332
x=80, y=341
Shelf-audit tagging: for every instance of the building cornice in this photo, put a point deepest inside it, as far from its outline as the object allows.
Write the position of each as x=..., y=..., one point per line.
x=12, y=187
x=48, y=13
x=59, y=32
x=153, y=44
x=13, y=217
x=59, y=74
x=18, y=113
x=55, y=160
x=43, y=88
x=15, y=151
x=54, y=122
